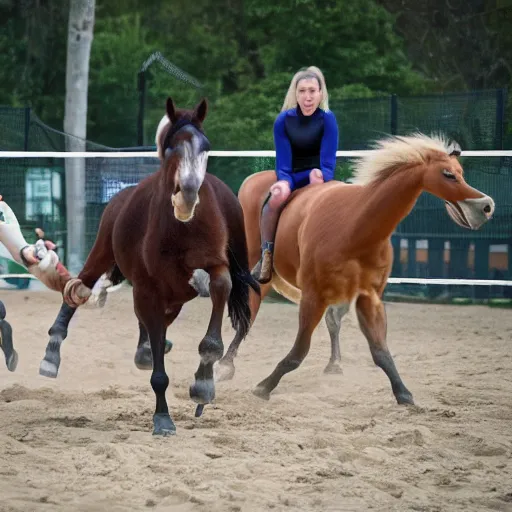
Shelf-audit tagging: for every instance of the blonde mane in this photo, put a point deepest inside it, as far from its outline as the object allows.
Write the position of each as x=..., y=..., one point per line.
x=388, y=154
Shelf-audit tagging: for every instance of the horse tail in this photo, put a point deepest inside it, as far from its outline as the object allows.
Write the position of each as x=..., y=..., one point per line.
x=2, y=310
x=238, y=302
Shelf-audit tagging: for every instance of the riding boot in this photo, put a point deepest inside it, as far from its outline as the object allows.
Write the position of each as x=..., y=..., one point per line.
x=262, y=271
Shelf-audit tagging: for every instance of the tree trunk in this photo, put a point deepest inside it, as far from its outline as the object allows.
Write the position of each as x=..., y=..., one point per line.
x=80, y=35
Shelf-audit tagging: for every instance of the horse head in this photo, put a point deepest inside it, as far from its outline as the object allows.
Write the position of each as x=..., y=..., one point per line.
x=183, y=151
x=444, y=178
x=430, y=164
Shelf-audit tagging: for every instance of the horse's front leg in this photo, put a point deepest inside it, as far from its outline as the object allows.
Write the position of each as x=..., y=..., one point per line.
x=58, y=332
x=76, y=292
x=150, y=312
x=373, y=323
x=311, y=309
x=211, y=347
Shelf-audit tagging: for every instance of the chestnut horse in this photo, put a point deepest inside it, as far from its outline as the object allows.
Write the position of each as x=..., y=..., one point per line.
x=155, y=235
x=333, y=244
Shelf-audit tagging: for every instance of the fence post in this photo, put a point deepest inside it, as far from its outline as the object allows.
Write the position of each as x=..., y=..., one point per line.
x=394, y=114
x=27, y=128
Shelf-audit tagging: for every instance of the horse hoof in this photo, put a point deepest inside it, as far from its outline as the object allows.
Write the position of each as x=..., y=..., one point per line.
x=12, y=361
x=144, y=358
x=202, y=391
x=163, y=425
x=48, y=369
x=404, y=399
x=261, y=392
x=333, y=369
x=223, y=371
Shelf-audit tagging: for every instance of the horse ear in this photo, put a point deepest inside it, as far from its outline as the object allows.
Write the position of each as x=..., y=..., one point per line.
x=201, y=110
x=171, y=110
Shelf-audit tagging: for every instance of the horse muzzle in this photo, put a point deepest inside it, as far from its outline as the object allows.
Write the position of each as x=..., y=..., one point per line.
x=471, y=213
x=184, y=200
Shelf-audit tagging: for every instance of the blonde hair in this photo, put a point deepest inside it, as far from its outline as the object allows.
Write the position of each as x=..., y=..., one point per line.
x=290, y=100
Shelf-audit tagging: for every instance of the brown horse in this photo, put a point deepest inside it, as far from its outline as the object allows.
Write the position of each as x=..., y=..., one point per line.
x=333, y=244
x=155, y=235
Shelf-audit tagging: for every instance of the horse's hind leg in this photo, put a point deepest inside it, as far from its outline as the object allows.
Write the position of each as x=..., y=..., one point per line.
x=211, y=347
x=333, y=317
x=225, y=369
x=100, y=260
x=143, y=356
x=372, y=320
x=310, y=314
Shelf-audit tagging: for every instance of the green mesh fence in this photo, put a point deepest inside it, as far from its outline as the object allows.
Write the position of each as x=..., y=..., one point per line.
x=35, y=187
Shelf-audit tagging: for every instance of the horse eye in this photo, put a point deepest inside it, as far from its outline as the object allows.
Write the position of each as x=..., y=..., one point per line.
x=449, y=175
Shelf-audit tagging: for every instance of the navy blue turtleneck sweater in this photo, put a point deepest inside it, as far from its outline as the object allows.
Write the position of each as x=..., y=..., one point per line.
x=304, y=143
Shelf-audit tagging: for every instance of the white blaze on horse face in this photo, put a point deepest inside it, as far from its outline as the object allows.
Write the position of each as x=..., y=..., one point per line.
x=190, y=176
x=192, y=169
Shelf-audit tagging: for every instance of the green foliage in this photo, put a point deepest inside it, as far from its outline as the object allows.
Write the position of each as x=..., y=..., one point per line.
x=243, y=52
x=33, y=56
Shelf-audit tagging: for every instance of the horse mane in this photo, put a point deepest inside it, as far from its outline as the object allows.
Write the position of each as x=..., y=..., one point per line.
x=392, y=153
x=162, y=125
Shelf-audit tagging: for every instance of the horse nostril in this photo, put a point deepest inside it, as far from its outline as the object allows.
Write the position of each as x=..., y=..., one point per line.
x=487, y=208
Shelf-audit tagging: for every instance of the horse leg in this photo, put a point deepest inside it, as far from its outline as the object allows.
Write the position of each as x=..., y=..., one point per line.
x=310, y=313
x=225, y=369
x=100, y=260
x=211, y=347
x=6, y=341
x=143, y=357
x=58, y=332
x=372, y=320
x=333, y=317
x=150, y=313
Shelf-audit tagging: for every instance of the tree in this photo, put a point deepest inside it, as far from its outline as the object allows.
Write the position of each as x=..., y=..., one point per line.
x=459, y=44
x=80, y=35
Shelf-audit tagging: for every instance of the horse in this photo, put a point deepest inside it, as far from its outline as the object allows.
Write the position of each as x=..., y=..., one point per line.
x=156, y=234
x=333, y=244
x=6, y=343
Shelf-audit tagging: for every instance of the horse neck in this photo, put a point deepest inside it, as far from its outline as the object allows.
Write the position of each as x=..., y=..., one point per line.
x=385, y=204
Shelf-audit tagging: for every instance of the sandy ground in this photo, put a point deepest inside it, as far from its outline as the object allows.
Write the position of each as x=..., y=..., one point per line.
x=83, y=442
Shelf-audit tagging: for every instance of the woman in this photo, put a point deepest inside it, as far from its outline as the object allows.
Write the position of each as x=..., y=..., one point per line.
x=306, y=141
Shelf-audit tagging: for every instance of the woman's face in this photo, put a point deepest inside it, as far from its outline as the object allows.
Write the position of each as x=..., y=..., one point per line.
x=309, y=95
